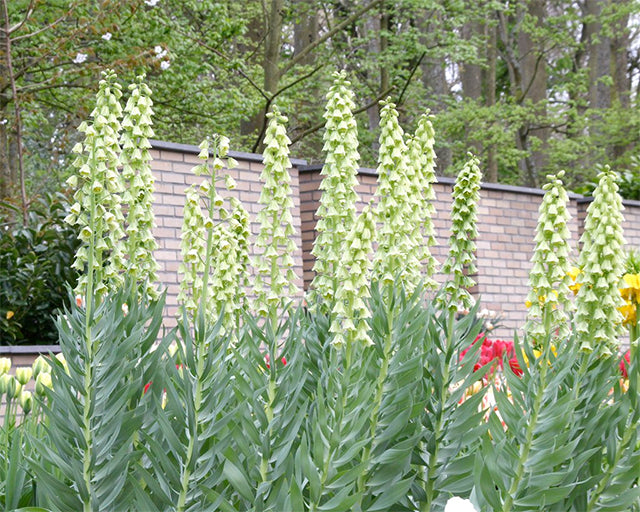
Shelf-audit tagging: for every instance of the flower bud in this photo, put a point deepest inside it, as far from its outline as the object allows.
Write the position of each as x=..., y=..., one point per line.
x=23, y=374
x=26, y=401
x=39, y=366
x=60, y=357
x=12, y=388
x=4, y=383
x=43, y=381
x=5, y=365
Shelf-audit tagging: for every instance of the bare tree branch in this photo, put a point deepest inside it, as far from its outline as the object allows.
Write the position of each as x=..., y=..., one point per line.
x=18, y=26
x=319, y=126
x=16, y=108
x=328, y=35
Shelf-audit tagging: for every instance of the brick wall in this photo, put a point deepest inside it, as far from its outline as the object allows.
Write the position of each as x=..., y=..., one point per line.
x=507, y=218
x=506, y=224
x=171, y=166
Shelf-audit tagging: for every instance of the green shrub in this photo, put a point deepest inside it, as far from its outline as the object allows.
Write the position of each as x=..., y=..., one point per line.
x=35, y=268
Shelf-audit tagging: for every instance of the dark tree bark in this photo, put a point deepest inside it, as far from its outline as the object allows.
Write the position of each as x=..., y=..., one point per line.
x=534, y=83
x=491, y=174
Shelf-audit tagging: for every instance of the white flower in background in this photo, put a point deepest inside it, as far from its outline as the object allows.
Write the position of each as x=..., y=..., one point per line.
x=151, y=3
x=80, y=58
x=107, y=36
x=165, y=64
x=4, y=121
x=159, y=51
x=456, y=504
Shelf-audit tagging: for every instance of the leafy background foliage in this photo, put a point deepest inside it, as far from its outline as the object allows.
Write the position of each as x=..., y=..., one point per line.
x=35, y=270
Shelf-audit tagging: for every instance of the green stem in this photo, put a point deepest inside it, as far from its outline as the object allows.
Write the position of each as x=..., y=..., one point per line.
x=336, y=436
x=193, y=438
x=87, y=463
x=525, y=448
x=606, y=478
x=444, y=395
x=382, y=376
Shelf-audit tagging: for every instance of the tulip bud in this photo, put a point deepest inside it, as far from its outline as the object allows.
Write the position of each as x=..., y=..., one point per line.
x=23, y=374
x=4, y=383
x=60, y=357
x=39, y=366
x=43, y=381
x=5, y=365
x=12, y=387
x=26, y=401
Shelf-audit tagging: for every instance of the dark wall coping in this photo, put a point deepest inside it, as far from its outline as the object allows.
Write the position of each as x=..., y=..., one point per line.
x=194, y=150
x=29, y=349
x=625, y=202
x=451, y=181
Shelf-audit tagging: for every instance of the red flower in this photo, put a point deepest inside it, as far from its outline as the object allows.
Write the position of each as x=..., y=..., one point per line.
x=623, y=365
x=494, y=351
x=146, y=388
x=267, y=358
x=515, y=366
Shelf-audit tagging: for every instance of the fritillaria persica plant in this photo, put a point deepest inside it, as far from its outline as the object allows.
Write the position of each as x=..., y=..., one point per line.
x=460, y=263
x=337, y=210
x=275, y=278
x=549, y=278
x=598, y=318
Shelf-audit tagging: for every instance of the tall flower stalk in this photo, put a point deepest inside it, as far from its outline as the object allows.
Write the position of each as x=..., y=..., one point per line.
x=275, y=278
x=337, y=211
x=549, y=278
x=398, y=255
x=350, y=312
x=462, y=247
x=97, y=211
x=213, y=241
x=598, y=318
x=136, y=170
x=421, y=174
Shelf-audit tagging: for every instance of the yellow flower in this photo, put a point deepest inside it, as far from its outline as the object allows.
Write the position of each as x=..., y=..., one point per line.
x=628, y=313
x=5, y=365
x=9, y=315
x=23, y=374
x=631, y=292
x=573, y=274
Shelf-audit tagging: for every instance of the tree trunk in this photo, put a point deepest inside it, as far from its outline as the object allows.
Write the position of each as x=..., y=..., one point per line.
x=272, y=46
x=306, y=30
x=434, y=81
x=534, y=86
x=6, y=182
x=620, y=43
x=491, y=174
x=372, y=25
x=471, y=78
x=599, y=58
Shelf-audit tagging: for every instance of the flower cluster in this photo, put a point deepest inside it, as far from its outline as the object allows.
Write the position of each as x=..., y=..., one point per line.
x=494, y=352
x=97, y=211
x=14, y=387
x=337, y=211
x=398, y=255
x=213, y=244
x=421, y=174
x=460, y=262
x=275, y=278
x=136, y=170
x=354, y=274
x=549, y=278
x=630, y=292
x=602, y=263
x=105, y=254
